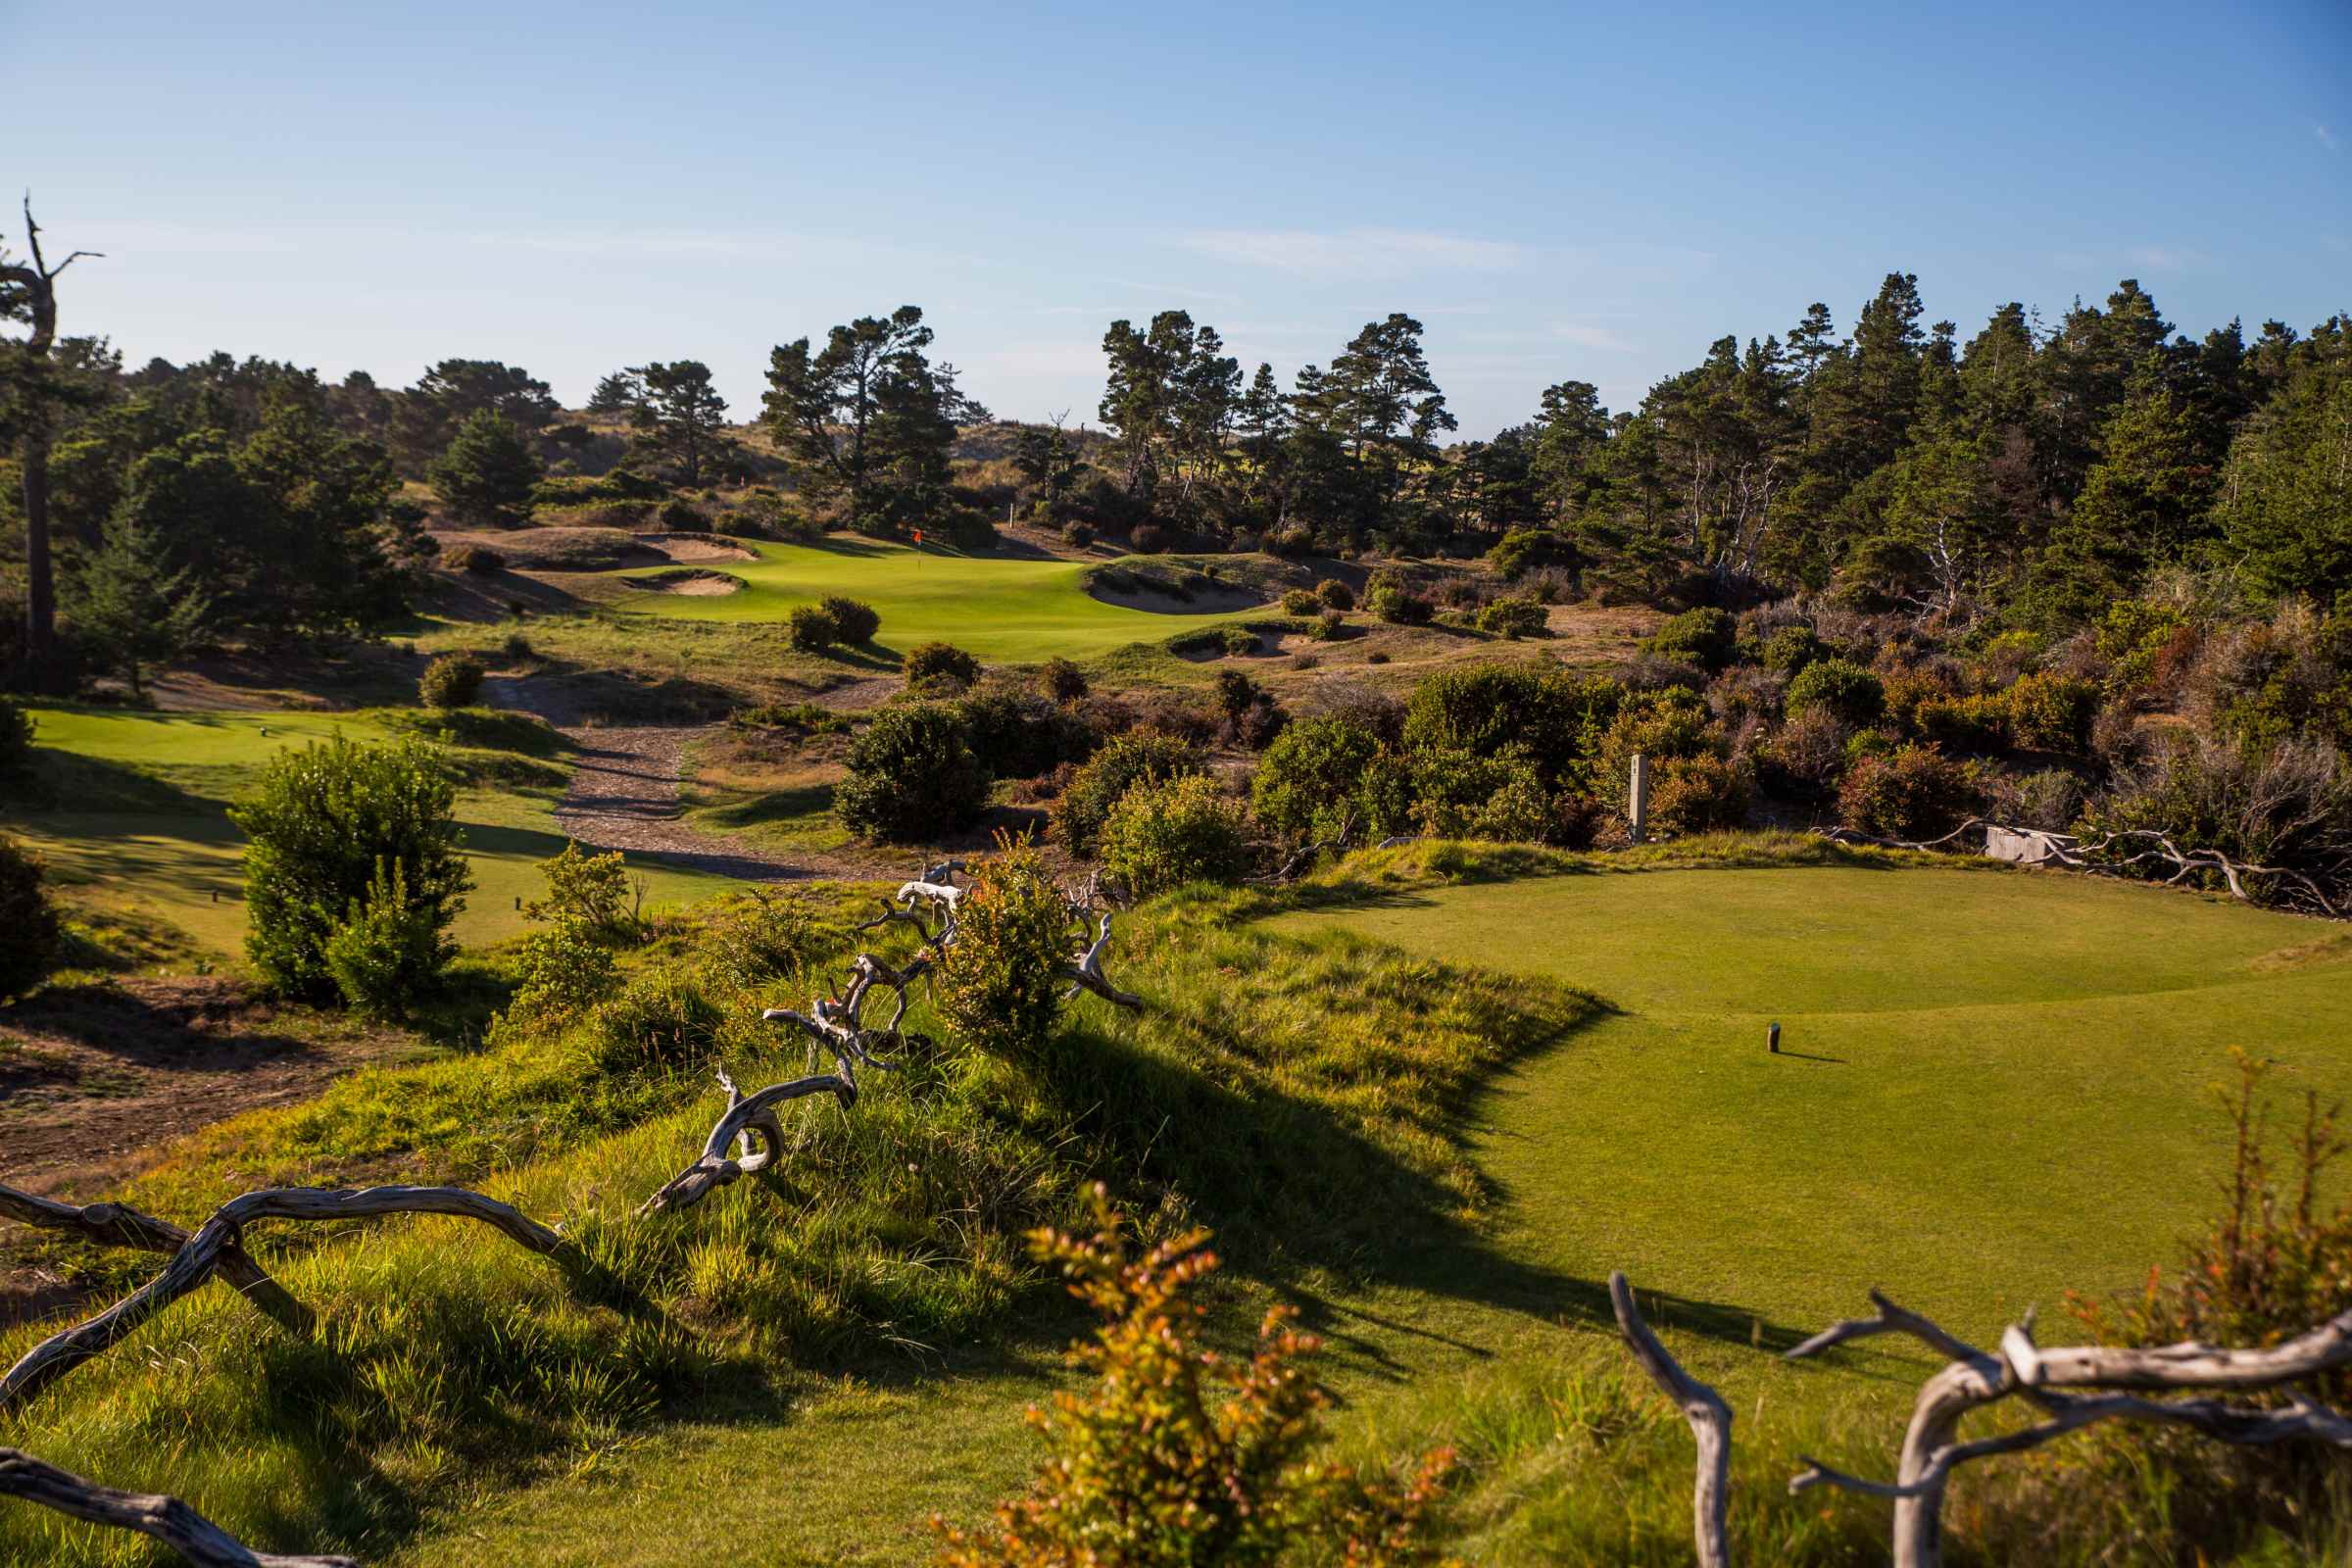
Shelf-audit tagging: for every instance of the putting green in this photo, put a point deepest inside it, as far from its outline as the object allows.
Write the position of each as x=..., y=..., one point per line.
x=1992, y=1088
x=997, y=607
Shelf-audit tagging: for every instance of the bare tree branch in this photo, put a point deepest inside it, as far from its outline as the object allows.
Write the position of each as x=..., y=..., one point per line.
x=166, y=1519
x=1710, y=1421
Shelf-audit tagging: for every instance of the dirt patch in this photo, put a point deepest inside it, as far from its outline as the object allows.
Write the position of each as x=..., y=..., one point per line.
x=556, y=549
x=687, y=548
x=95, y=1079
x=697, y=584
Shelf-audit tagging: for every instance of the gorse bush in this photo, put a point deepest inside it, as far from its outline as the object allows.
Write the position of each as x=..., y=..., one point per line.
x=997, y=986
x=1460, y=795
x=2052, y=712
x=812, y=629
x=1016, y=735
x=1791, y=649
x=940, y=663
x=1914, y=792
x=390, y=948
x=1139, y=756
x=29, y=930
x=1181, y=1457
x=1336, y=594
x=1390, y=597
x=319, y=825
x=912, y=776
x=1513, y=619
x=453, y=680
x=1062, y=680
x=1855, y=695
x=1159, y=836
x=1322, y=774
x=1706, y=637
x=561, y=971
x=854, y=619
x=1301, y=602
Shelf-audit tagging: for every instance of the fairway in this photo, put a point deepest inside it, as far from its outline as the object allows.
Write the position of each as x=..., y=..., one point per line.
x=148, y=828
x=995, y=606
x=1994, y=1087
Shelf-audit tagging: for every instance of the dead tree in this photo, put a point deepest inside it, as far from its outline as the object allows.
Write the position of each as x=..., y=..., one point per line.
x=2073, y=1388
x=113, y=1225
x=200, y=1257
x=36, y=287
x=168, y=1519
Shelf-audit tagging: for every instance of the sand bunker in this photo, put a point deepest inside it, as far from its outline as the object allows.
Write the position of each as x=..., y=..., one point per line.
x=699, y=584
x=693, y=547
x=1138, y=592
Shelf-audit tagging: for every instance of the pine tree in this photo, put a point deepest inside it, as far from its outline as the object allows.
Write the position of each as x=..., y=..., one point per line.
x=487, y=474
x=127, y=608
x=680, y=418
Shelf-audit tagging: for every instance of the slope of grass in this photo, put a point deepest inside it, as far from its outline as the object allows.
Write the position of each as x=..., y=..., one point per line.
x=995, y=606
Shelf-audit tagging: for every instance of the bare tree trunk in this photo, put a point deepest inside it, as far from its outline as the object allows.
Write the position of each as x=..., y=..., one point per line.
x=40, y=283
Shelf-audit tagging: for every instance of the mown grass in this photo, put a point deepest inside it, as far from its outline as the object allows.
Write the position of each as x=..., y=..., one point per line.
x=130, y=809
x=1437, y=1162
x=1297, y=1091
x=998, y=607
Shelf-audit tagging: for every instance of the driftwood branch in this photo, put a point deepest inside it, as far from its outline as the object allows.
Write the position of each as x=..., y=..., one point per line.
x=1710, y=1421
x=1085, y=971
x=168, y=1519
x=745, y=1118
x=199, y=1259
x=114, y=1225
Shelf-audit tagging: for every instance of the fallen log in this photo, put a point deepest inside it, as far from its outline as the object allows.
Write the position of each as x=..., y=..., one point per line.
x=114, y=1225
x=198, y=1259
x=166, y=1519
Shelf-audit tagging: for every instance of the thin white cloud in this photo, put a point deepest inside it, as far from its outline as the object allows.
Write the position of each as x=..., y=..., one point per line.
x=1595, y=337
x=2325, y=137
x=1355, y=252
x=2163, y=257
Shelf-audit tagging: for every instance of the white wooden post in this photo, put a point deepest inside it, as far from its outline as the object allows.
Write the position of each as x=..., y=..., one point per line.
x=1638, y=816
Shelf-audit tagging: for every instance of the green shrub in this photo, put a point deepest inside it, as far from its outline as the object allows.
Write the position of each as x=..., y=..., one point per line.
x=802, y=719
x=1389, y=598
x=453, y=680
x=660, y=1019
x=1699, y=794
x=2052, y=712
x=1791, y=649
x=389, y=949
x=582, y=890
x=1914, y=792
x=1964, y=724
x=15, y=736
x=1329, y=626
x=1239, y=641
x=518, y=648
x=1301, y=602
x=912, y=776
x=1706, y=637
x=1139, y=756
x=477, y=559
x=680, y=517
x=561, y=971
x=1855, y=695
x=317, y=825
x=1154, y=1459
x=813, y=629
x=30, y=929
x=997, y=986
x=1459, y=795
x=940, y=663
x=1336, y=594
x=1487, y=708
x=1514, y=618
x=1016, y=735
x=854, y=621
x=1162, y=836
x=1323, y=773
x=1062, y=682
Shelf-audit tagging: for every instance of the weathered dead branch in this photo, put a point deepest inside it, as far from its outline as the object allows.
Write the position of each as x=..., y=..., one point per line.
x=114, y=1225
x=748, y=1120
x=198, y=1259
x=1085, y=971
x=2112, y=855
x=168, y=1519
x=1973, y=1379
x=1710, y=1421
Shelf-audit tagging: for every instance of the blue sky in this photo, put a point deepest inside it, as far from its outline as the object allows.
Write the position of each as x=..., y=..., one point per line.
x=1555, y=192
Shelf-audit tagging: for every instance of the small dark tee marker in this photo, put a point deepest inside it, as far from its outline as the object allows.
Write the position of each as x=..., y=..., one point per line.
x=1772, y=1037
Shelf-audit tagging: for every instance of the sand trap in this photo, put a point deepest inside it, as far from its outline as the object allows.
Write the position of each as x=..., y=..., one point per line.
x=1220, y=600
x=696, y=584
x=690, y=547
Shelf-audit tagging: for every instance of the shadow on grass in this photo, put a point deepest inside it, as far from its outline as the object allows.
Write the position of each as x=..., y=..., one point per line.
x=70, y=782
